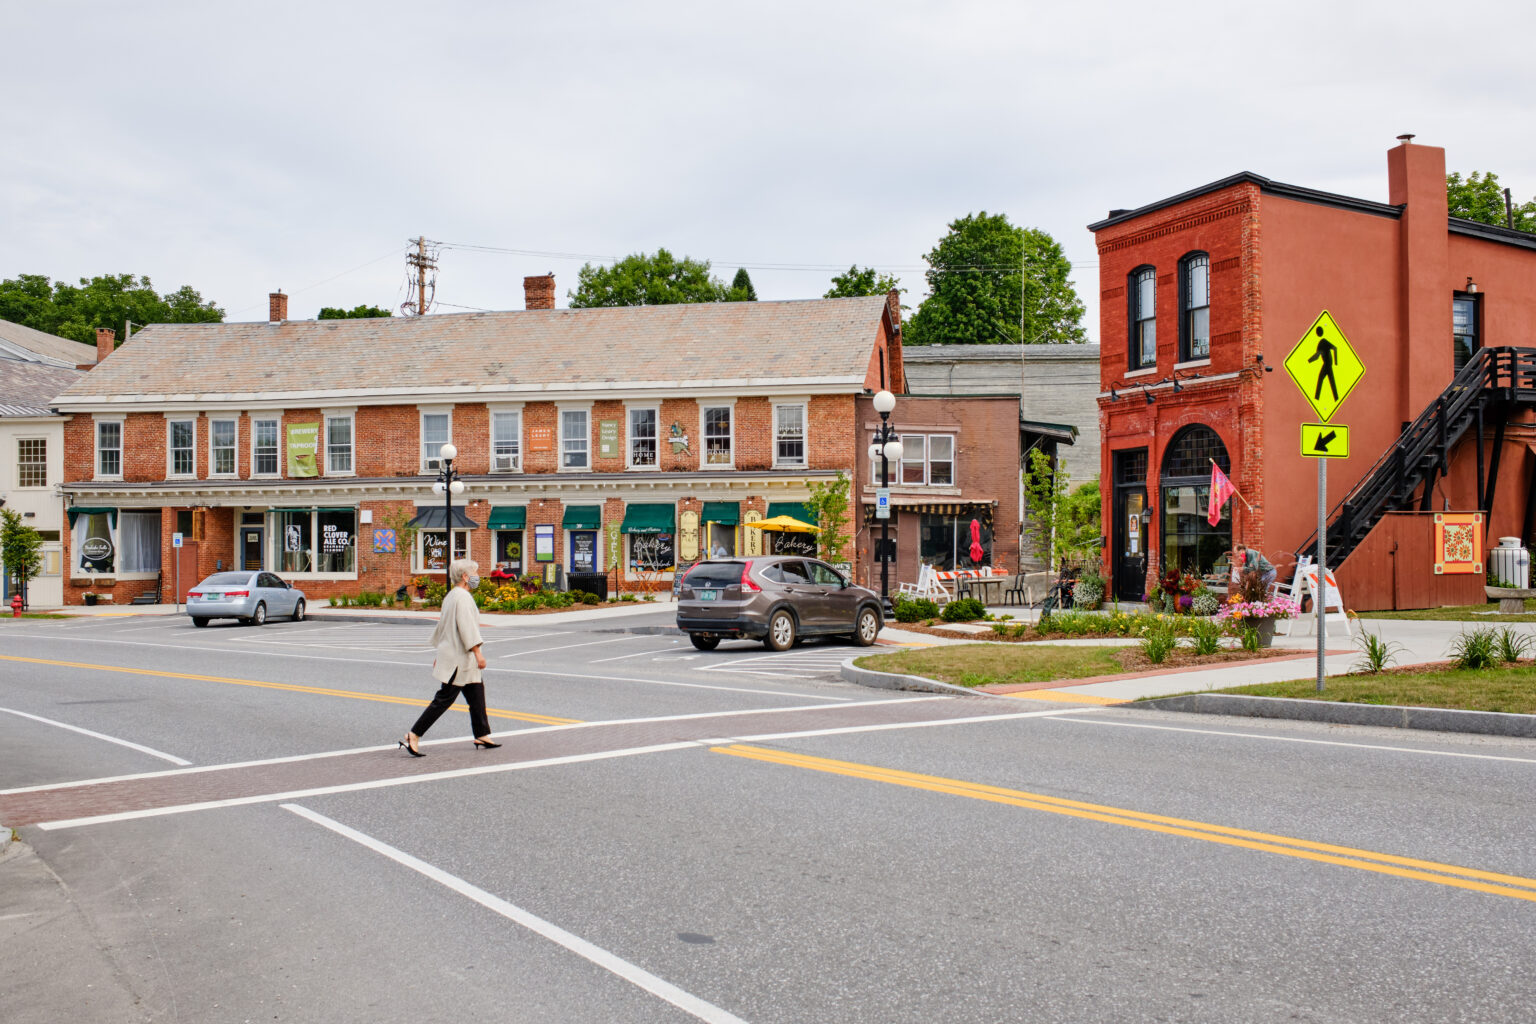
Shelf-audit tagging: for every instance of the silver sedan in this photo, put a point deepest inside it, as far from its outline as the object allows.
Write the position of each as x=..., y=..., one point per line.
x=250, y=597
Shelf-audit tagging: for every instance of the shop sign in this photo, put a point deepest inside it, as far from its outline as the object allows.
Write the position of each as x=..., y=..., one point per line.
x=584, y=551
x=615, y=543
x=383, y=542
x=334, y=539
x=293, y=537
x=541, y=439
x=97, y=549
x=688, y=536
x=434, y=550
x=608, y=439
x=544, y=543
x=303, y=439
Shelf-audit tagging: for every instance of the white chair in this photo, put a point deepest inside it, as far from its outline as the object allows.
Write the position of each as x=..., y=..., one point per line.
x=928, y=586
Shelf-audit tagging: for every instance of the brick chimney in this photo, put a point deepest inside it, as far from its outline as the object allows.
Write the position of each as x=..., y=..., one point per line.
x=539, y=292
x=106, y=341
x=277, y=307
x=1416, y=182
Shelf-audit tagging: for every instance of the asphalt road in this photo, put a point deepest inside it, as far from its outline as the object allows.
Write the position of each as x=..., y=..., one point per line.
x=216, y=826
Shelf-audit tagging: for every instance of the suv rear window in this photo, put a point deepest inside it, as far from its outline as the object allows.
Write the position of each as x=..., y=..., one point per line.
x=714, y=574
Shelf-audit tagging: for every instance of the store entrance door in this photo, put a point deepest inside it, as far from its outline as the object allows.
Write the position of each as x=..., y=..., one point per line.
x=250, y=548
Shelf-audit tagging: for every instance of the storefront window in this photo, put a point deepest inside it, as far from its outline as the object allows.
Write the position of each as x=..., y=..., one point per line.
x=721, y=540
x=944, y=542
x=337, y=532
x=1190, y=542
x=791, y=544
x=95, y=548
x=431, y=545
x=295, y=536
x=583, y=551
x=138, y=541
x=651, y=552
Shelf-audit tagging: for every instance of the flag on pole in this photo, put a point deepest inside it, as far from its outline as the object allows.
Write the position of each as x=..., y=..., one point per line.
x=1221, y=491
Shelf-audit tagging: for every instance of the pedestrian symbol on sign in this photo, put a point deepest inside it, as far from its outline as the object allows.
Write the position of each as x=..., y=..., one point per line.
x=1326, y=352
x=1324, y=366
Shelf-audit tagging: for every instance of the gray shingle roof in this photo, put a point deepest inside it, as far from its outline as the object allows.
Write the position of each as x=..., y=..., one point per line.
x=21, y=342
x=995, y=353
x=28, y=389
x=826, y=342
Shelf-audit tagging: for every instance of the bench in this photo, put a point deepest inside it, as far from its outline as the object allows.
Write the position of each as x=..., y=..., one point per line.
x=1511, y=599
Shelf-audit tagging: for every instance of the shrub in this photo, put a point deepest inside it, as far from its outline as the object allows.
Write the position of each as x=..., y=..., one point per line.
x=1158, y=644
x=1204, y=603
x=1088, y=592
x=1512, y=646
x=963, y=610
x=1376, y=653
x=914, y=609
x=585, y=597
x=1207, y=636
x=1476, y=649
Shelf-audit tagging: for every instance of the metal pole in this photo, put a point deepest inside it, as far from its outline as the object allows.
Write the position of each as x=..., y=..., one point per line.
x=1320, y=595
x=885, y=524
x=448, y=520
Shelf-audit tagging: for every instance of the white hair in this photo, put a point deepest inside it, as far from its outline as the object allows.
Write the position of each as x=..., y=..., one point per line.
x=460, y=568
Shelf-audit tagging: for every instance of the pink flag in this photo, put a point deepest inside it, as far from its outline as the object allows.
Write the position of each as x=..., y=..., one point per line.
x=1221, y=490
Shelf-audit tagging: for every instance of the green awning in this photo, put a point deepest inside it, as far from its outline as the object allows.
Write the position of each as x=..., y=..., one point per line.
x=793, y=509
x=582, y=517
x=726, y=513
x=80, y=510
x=508, y=517
x=648, y=518
x=433, y=518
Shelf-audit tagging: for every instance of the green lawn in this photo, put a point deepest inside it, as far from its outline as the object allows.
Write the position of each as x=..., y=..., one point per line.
x=986, y=664
x=1510, y=689
x=38, y=615
x=1459, y=613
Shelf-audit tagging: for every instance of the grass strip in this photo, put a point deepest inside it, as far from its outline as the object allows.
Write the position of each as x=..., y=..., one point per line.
x=1510, y=689
x=1485, y=613
x=986, y=664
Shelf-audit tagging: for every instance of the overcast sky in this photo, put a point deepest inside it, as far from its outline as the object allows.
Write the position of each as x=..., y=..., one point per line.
x=241, y=148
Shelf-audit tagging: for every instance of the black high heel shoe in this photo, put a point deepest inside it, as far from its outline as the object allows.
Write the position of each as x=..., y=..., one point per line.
x=486, y=744
x=411, y=750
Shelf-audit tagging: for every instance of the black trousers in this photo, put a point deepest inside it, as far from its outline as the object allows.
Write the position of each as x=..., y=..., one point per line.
x=474, y=696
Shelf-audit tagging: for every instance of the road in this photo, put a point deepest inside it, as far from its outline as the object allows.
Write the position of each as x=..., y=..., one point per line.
x=217, y=826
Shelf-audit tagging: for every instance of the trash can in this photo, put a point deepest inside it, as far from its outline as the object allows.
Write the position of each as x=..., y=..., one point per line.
x=591, y=582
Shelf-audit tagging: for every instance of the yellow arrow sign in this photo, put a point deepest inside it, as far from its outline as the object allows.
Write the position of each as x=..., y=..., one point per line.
x=1324, y=366
x=1325, y=440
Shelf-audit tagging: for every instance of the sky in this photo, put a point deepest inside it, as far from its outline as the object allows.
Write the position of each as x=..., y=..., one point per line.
x=242, y=149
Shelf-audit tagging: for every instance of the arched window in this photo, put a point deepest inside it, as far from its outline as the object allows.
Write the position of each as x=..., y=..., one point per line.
x=1142, y=290
x=1194, y=307
x=1189, y=540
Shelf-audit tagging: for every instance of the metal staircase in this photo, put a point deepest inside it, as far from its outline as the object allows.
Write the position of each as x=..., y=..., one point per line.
x=1493, y=384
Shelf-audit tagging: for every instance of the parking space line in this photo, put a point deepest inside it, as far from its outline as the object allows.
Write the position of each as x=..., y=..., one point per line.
x=152, y=752
x=566, y=647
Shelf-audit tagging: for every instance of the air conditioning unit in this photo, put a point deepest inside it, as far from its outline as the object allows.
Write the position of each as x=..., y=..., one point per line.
x=505, y=463
x=434, y=463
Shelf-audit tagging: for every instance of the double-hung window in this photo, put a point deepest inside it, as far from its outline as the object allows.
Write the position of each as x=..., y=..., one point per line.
x=926, y=459
x=435, y=428
x=575, y=439
x=506, y=442
x=789, y=435
x=642, y=438
x=183, y=447
x=1143, y=310
x=1195, y=318
x=221, y=447
x=941, y=460
x=914, y=459
x=109, y=448
x=717, y=436
x=32, y=462
x=338, y=444
x=264, y=447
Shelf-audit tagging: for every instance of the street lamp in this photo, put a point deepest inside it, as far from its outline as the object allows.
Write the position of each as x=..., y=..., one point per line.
x=448, y=484
x=888, y=449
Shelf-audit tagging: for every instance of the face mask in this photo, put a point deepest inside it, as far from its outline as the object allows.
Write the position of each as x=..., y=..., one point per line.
x=471, y=580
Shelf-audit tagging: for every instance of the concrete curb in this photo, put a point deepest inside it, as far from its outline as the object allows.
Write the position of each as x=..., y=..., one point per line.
x=1490, y=723
x=893, y=681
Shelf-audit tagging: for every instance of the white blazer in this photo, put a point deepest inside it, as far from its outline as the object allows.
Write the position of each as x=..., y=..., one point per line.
x=456, y=635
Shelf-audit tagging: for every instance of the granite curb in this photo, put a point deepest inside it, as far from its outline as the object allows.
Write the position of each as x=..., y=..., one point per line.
x=894, y=681
x=1489, y=723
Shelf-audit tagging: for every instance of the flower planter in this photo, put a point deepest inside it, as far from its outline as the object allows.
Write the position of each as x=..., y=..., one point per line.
x=89, y=599
x=1266, y=628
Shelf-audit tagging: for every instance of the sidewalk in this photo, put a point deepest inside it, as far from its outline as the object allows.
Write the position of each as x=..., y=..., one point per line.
x=624, y=610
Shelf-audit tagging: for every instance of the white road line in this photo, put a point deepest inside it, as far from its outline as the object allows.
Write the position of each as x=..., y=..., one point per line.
x=566, y=647
x=896, y=725
x=636, y=976
x=659, y=653
x=101, y=736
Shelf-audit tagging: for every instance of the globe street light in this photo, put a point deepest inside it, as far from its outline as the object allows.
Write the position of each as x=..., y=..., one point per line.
x=448, y=484
x=888, y=448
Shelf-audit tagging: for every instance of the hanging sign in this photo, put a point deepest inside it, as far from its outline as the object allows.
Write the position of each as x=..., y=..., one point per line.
x=303, y=438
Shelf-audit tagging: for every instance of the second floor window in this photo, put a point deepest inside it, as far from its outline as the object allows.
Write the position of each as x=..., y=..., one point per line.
x=109, y=448
x=717, y=436
x=264, y=447
x=183, y=436
x=789, y=435
x=506, y=442
x=926, y=459
x=1143, y=318
x=914, y=459
x=32, y=462
x=642, y=437
x=1463, y=329
x=434, y=434
x=338, y=444
x=221, y=442
x=1195, y=327
x=575, y=442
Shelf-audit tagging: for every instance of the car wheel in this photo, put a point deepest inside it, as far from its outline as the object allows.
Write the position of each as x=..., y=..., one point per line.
x=260, y=618
x=704, y=643
x=781, y=631
x=866, y=627
x=199, y=621
x=298, y=612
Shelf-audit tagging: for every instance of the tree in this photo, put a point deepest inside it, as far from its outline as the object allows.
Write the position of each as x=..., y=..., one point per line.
x=1480, y=198
x=75, y=312
x=641, y=280
x=741, y=288
x=20, y=548
x=1060, y=522
x=830, y=503
x=861, y=281
x=983, y=275
x=355, y=313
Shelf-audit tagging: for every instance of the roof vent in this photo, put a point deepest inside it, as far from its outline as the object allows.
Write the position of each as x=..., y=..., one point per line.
x=1405, y=139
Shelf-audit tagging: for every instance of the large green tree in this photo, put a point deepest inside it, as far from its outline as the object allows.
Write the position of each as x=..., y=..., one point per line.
x=861, y=281
x=646, y=280
x=355, y=313
x=741, y=289
x=1480, y=197
x=75, y=311
x=987, y=279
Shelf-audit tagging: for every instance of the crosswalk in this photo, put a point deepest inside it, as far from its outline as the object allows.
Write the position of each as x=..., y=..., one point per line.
x=796, y=664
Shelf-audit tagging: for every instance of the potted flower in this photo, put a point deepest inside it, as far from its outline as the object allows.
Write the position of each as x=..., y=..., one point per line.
x=88, y=597
x=420, y=583
x=1250, y=606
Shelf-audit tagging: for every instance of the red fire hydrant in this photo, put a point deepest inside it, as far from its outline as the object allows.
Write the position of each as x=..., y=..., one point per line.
x=15, y=606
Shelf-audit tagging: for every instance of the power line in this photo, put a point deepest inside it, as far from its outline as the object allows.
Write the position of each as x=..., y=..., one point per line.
x=379, y=259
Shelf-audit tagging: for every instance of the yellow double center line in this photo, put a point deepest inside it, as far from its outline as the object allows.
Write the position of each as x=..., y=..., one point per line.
x=521, y=716
x=1492, y=882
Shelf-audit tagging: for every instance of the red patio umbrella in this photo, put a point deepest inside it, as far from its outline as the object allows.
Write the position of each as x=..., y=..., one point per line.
x=977, y=552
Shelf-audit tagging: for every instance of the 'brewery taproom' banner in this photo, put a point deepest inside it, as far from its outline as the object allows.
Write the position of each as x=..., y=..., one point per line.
x=303, y=439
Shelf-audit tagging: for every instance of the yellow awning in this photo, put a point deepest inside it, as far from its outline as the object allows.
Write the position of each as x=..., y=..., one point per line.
x=784, y=524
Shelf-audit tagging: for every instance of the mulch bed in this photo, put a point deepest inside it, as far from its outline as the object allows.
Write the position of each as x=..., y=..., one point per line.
x=1135, y=661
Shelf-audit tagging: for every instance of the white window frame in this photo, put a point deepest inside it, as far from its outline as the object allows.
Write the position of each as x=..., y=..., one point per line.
x=276, y=420
x=953, y=461
x=630, y=438
x=234, y=447
x=170, y=449
x=458, y=550
x=905, y=463
x=804, y=406
x=20, y=486
x=705, y=408
x=928, y=461
x=100, y=421
x=516, y=459
x=326, y=417
x=560, y=411
x=432, y=465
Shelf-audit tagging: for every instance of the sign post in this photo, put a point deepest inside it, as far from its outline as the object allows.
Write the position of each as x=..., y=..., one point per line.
x=1325, y=386
x=176, y=571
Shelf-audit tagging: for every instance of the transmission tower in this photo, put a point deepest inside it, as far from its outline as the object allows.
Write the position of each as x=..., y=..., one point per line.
x=425, y=265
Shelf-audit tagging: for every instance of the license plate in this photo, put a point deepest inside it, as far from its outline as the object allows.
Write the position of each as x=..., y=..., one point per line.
x=709, y=595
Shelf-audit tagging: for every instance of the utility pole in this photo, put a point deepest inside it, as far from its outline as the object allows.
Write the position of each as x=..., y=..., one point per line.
x=422, y=262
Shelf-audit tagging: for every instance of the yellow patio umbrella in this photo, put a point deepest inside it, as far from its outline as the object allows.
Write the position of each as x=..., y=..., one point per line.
x=784, y=524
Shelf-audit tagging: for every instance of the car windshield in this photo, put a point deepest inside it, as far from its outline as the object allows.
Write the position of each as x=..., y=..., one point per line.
x=714, y=574
x=227, y=579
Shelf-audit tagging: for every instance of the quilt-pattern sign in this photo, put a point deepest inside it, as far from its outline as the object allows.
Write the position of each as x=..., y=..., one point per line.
x=1458, y=542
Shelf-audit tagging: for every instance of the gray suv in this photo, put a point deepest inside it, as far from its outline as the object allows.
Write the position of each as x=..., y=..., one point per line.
x=776, y=599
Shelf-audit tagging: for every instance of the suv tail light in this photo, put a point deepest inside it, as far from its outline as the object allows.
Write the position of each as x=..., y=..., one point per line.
x=747, y=586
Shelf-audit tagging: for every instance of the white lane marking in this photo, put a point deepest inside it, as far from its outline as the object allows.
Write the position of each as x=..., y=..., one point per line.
x=636, y=976
x=566, y=647
x=844, y=730
x=659, y=653
x=101, y=736
x=264, y=762
x=1299, y=739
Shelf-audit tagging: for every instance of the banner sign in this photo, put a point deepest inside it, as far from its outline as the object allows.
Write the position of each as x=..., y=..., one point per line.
x=541, y=439
x=608, y=439
x=334, y=539
x=303, y=440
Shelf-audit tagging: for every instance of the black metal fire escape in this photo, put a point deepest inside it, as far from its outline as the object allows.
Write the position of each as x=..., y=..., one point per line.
x=1484, y=395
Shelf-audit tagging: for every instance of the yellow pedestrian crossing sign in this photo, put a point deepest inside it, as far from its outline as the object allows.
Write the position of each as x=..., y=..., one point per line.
x=1324, y=366
x=1325, y=440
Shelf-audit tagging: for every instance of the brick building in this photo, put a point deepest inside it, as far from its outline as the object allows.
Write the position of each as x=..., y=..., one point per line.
x=1204, y=293
x=623, y=441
